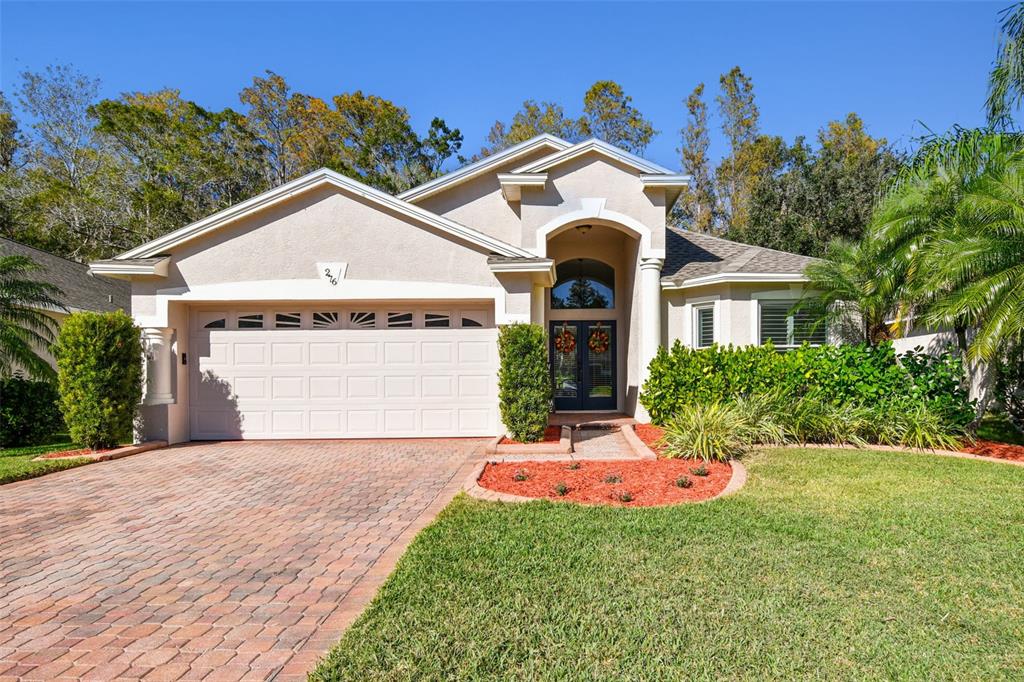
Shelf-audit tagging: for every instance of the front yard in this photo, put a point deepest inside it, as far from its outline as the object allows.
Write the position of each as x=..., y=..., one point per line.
x=828, y=564
x=16, y=463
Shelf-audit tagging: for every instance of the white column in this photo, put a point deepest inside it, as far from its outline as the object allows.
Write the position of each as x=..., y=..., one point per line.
x=650, y=312
x=537, y=304
x=157, y=342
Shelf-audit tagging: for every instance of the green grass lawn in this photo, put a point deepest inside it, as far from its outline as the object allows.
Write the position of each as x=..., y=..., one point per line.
x=830, y=564
x=16, y=463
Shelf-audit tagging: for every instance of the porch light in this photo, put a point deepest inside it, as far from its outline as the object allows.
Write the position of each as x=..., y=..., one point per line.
x=583, y=229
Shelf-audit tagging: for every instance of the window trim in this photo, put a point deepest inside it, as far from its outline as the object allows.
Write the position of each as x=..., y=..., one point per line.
x=790, y=324
x=699, y=308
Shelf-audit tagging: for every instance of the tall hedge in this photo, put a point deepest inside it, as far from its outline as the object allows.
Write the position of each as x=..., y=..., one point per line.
x=99, y=376
x=858, y=374
x=524, y=386
x=29, y=411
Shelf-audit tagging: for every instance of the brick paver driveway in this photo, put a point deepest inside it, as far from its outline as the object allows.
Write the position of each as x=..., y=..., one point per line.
x=209, y=561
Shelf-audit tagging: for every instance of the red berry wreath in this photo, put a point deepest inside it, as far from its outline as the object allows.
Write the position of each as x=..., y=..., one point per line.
x=565, y=342
x=598, y=341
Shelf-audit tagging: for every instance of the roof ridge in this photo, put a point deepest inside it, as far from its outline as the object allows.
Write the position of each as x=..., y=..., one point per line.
x=703, y=235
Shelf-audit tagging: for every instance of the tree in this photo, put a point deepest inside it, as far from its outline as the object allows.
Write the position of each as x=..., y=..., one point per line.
x=739, y=116
x=532, y=120
x=609, y=115
x=272, y=118
x=24, y=328
x=12, y=147
x=1006, y=80
x=696, y=205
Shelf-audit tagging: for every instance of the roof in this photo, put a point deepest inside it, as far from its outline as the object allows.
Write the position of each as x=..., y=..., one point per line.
x=593, y=145
x=696, y=256
x=320, y=178
x=483, y=166
x=82, y=290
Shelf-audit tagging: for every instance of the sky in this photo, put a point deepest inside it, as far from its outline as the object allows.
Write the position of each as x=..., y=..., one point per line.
x=905, y=68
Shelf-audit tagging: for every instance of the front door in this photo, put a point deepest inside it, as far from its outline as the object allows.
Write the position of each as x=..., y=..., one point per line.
x=583, y=365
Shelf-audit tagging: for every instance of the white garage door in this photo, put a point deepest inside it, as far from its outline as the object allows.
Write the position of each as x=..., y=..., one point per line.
x=343, y=373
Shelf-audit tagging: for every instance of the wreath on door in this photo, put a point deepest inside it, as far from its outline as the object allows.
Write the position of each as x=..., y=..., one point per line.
x=598, y=341
x=565, y=341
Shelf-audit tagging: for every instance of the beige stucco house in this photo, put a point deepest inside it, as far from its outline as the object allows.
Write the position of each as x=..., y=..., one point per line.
x=325, y=308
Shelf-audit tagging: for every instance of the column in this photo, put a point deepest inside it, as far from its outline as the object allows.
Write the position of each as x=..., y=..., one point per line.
x=650, y=312
x=157, y=342
x=537, y=300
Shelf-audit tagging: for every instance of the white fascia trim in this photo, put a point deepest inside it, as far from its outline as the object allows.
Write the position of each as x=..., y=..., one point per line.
x=670, y=181
x=512, y=184
x=593, y=145
x=728, y=277
x=482, y=166
x=545, y=271
x=113, y=269
x=324, y=176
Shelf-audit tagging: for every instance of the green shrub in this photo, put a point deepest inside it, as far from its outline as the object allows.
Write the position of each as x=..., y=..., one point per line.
x=524, y=385
x=29, y=412
x=99, y=367
x=1009, y=382
x=938, y=381
x=717, y=432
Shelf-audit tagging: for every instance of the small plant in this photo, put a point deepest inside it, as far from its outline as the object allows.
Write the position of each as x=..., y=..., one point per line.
x=613, y=478
x=684, y=482
x=718, y=432
x=561, y=489
x=622, y=496
x=699, y=471
x=521, y=475
x=573, y=466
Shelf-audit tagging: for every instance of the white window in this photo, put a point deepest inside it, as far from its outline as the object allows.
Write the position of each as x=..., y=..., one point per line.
x=326, y=320
x=250, y=321
x=288, y=320
x=362, y=320
x=786, y=327
x=704, y=325
x=437, y=320
x=399, y=320
x=473, y=318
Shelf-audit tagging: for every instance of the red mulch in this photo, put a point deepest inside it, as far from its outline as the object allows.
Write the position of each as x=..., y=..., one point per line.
x=990, y=448
x=552, y=434
x=83, y=452
x=650, y=483
x=650, y=435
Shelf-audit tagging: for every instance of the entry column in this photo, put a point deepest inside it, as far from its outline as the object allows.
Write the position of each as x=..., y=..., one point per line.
x=157, y=342
x=650, y=312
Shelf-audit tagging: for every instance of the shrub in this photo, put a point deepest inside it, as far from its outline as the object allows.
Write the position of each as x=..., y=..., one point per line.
x=700, y=471
x=524, y=386
x=561, y=489
x=1009, y=382
x=29, y=412
x=521, y=475
x=716, y=432
x=613, y=478
x=99, y=367
x=684, y=482
x=938, y=380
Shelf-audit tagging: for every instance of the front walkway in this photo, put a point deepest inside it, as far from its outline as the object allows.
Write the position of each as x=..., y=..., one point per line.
x=209, y=561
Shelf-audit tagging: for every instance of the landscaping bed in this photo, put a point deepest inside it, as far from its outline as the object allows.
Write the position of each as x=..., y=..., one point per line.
x=552, y=434
x=990, y=448
x=79, y=452
x=622, y=483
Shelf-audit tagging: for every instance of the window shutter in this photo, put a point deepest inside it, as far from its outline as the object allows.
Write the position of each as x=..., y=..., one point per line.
x=807, y=326
x=705, y=327
x=775, y=322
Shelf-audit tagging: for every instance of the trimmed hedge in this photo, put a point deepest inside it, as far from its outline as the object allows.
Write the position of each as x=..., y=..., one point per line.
x=99, y=374
x=857, y=374
x=29, y=412
x=524, y=385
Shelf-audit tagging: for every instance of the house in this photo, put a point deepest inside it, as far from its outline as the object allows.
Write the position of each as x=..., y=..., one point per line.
x=325, y=308
x=81, y=290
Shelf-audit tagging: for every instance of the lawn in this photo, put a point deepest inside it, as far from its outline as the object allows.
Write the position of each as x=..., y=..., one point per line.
x=16, y=463
x=828, y=564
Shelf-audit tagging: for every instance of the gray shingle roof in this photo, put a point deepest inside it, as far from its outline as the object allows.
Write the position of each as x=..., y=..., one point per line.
x=82, y=290
x=693, y=254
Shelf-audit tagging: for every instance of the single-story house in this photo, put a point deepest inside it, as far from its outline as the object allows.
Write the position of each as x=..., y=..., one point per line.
x=81, y=290
x=325, y=308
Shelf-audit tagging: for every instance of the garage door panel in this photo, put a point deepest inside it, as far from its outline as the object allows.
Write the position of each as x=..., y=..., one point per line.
x=331, y=383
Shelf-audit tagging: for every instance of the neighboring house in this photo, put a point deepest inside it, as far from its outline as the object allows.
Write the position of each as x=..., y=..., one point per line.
x=325, y=308
x=81, y=290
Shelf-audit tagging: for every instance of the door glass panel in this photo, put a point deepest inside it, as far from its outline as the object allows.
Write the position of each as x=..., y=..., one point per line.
x=599, y=347
x=566, y=368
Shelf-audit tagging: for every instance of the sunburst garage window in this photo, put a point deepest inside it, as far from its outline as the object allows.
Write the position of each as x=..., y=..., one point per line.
x=288, y=320
x=362, y=320
x=326, y=320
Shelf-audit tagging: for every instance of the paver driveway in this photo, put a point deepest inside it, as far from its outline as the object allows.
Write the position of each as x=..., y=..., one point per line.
x=209, y=561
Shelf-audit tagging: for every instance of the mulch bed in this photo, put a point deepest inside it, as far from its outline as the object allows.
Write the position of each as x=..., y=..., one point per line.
x=83, y=452
x=648, y=483
x=990, y=448
x=552, y=434
x=651, y=436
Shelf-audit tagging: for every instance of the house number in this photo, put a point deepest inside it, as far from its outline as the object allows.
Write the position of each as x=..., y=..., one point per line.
x=332, y=272
x=330, y=278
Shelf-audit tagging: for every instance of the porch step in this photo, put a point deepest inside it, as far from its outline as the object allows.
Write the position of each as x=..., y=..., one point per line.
x=590, y=420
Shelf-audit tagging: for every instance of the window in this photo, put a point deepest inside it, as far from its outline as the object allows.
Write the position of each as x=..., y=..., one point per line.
x=326, y=320
x=437, y=320
x=582, y=283
x=704, y=326
x=215, y=324
x=473, y=318
x=362, y=320
x=288, y=320
x=785, y=327
x=251, y=321
x=399, y=320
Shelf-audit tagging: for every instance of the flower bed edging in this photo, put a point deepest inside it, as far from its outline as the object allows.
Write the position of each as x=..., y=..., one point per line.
x=116, y=453
x=639, y=447
x=562, y=447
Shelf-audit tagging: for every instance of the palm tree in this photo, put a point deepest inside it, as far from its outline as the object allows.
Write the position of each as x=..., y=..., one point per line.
x=1006, y=80
x=24, y=328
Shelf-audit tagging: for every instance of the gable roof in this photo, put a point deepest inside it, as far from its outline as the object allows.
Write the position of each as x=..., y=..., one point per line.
x=693, y=258
x=484, y=165
x=593, y=145
x=81, y=290
x=319, y=178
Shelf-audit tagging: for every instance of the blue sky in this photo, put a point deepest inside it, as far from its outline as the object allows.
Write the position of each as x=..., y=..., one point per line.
x=900, y=66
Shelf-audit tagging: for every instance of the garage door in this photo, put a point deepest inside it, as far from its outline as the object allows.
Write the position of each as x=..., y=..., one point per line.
x=343, y=373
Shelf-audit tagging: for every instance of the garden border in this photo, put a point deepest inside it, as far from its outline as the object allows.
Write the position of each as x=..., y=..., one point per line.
x=894, y=448
x=116, y=453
